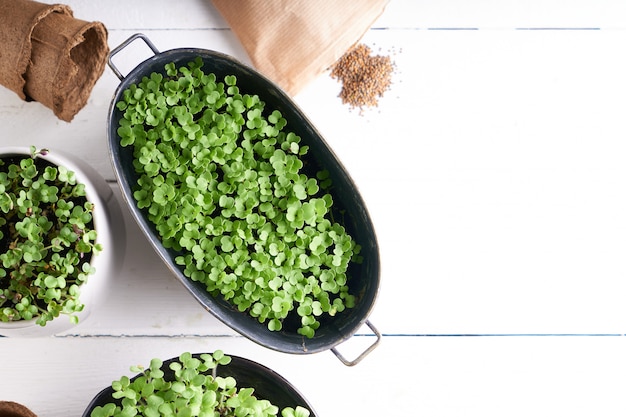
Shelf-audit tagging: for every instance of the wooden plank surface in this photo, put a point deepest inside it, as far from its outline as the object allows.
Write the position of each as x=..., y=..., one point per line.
x=412, y=376
x=493, y=171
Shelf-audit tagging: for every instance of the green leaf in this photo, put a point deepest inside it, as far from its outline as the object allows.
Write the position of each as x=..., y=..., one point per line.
x=275, y=325
x=306, y=331
x=178, y=387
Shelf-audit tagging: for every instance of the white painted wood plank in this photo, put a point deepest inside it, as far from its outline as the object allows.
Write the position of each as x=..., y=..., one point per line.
x=160, y=14
x=489, y=14
x=421, y=14
x=434, y=376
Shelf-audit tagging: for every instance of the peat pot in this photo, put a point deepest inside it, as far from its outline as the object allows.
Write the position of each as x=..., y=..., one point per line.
x=267, y=384
x=13, y=409
x=364, y=277
x=105, y=262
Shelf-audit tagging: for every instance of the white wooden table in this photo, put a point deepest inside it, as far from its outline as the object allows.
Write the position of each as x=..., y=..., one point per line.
x=494, y=174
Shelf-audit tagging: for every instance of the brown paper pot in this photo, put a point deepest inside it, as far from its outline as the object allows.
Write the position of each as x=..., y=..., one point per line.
x=11, y=409
x=49, y=56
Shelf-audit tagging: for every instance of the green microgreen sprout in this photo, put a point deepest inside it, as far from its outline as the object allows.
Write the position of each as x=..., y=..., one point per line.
x=226, y=187
x=46, y=239
x=189, y=386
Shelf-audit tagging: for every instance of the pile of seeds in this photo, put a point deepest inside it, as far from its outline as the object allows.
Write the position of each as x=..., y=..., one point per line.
x=364, y=77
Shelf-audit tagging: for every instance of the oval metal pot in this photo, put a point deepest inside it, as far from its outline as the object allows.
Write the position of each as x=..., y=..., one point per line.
x=364, y=278
x=267, y=384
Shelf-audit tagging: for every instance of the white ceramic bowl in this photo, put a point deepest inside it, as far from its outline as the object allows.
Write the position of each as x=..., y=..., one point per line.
x=101, y=195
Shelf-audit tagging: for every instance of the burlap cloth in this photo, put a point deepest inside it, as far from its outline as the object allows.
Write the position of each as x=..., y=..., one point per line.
x=11, y=409
x=49, y=56
x=293, y=41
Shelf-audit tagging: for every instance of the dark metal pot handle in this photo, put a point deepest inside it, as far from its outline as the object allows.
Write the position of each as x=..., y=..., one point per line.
x=124, y=45
x=365, y=353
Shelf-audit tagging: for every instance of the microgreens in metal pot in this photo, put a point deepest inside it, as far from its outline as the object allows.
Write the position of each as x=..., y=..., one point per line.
x=224, y=182
x=188, y=387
